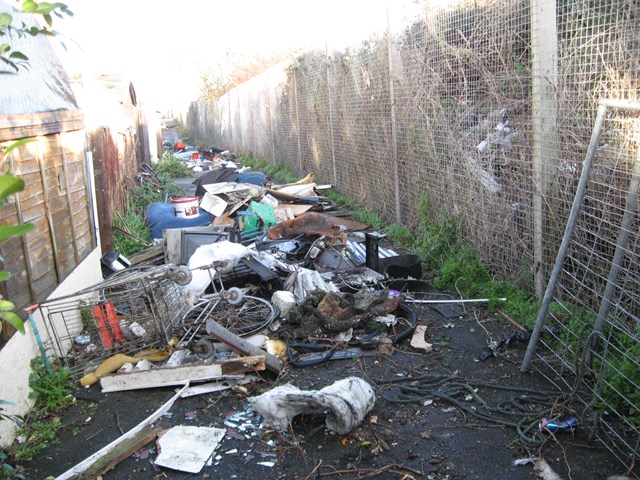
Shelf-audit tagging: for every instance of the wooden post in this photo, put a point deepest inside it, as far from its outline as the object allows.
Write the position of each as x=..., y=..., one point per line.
x=544, y=46
x=53, y=238
x=295, y=99
x=104, y=146
x=331, y=134
x=273, y=103
x=229, y=140
x=65, y=169
x=394, y=136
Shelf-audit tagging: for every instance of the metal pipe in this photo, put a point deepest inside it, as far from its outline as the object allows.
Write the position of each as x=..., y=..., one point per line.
x=36, y=334
x=372, y=244
x=566, y=239
x=624, y=104
x=616, y=263
x=472, y=300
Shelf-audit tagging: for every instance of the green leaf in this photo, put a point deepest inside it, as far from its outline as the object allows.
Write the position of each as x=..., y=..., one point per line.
x=8, y=231
x=18, y=55
x=4, y=48
x=45, y=8
x=10, y=183
x=4, y=275
x=16, y=144
x=5, y=20
x=29, y=6
x=6, y=305
x=8, y=62
x=14, y=320
x=48, y=19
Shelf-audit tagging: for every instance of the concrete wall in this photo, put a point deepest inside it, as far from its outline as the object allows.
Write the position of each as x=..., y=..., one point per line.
x=16, y=356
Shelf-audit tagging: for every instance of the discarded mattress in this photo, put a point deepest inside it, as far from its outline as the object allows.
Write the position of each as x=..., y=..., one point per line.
x=162, y=216
x=348, y=401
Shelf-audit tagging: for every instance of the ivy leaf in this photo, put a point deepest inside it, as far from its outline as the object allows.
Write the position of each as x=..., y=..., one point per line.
x=4, y=275
x=13, y=320
x=7, y=231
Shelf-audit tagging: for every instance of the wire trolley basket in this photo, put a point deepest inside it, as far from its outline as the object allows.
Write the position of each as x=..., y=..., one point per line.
x=133, y=310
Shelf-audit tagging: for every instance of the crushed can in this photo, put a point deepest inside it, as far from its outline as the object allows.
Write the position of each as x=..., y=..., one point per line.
x=552, y=426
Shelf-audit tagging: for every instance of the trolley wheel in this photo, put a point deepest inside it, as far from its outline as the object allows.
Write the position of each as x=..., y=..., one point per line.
x=181, y=275
x=234, y=296
x=203, y=348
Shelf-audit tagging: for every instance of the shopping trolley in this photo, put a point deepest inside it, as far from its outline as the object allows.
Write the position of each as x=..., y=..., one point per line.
x=135, y=309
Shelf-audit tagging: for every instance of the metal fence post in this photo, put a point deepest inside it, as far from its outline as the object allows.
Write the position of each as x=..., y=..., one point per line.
x=566, y=239
x=621, y=244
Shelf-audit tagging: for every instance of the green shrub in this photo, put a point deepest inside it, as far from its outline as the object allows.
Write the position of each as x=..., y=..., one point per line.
x=8, y=471
x=51, y=387
x=463, y=272
x=170, y=167
x=139, y=233
x=401, y=235
x=437, y=238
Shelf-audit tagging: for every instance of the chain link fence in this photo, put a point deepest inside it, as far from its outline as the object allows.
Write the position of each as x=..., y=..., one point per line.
x=487, y=108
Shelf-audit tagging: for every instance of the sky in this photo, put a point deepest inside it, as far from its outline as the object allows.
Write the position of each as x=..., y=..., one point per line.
x=164, y=46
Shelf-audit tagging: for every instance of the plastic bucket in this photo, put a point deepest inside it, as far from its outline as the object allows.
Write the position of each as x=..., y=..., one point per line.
x=186, y=206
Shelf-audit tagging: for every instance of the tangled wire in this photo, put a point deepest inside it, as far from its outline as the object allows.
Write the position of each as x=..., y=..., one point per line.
x=521, y=411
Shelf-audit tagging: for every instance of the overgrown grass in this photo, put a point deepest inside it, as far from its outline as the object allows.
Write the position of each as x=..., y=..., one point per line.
x=138, y=233
x=170, y=167
x=132, y=234
x=52, y=390
x=279, y=171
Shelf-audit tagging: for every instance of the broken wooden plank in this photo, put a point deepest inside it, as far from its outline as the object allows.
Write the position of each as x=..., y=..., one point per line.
x=77, y=470
x=218, y=385
x=152, y=255
x=240, y=345
x=169, y=376
x=120, y=453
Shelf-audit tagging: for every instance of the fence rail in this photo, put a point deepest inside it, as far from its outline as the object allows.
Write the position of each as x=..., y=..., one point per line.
x=487, y=107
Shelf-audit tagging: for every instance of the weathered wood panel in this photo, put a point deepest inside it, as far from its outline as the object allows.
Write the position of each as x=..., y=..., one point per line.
x=56, y=201
x=15, y=127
